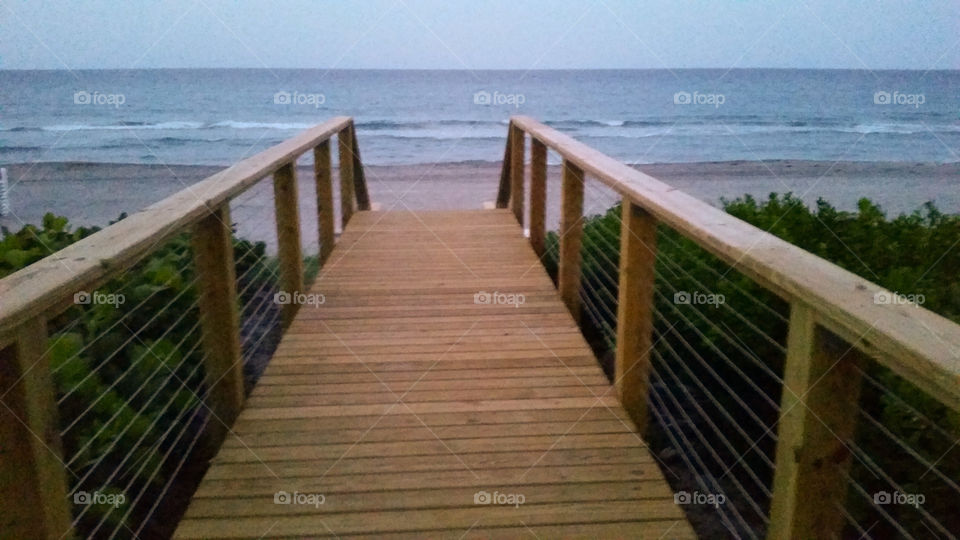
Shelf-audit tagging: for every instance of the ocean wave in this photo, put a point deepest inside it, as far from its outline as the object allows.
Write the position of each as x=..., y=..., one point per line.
x=123, y=126
x=236, y=124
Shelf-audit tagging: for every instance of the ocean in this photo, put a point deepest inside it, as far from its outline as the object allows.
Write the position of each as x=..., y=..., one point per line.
x=219, y=116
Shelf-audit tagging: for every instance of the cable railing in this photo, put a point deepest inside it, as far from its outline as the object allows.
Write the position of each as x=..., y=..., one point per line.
x=127, y=355
x=779, y=397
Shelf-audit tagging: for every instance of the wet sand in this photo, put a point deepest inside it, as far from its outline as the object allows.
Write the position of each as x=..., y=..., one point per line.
x=95, y=193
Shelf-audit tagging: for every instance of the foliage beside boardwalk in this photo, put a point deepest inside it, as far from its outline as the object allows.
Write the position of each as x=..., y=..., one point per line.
x=730, y=356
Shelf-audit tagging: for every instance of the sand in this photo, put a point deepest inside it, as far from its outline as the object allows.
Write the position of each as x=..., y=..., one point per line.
x=95, y=193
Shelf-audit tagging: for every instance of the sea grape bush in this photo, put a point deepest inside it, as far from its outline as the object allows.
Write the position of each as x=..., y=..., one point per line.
x=915, y=254
x=129, y=378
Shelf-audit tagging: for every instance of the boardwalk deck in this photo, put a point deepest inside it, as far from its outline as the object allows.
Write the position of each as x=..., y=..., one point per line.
x=400, y=398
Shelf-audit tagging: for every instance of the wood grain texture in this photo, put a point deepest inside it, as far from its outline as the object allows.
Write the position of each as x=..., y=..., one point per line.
x=348, y=199
x=538, y=196
x=408, y=393
x=289, y=247
x=219, y=320
x=818, y=415
x=323, y=176
x=517, y=150
x=916, y=343
x=571, y=235
x=638, y=257
x=33, y=483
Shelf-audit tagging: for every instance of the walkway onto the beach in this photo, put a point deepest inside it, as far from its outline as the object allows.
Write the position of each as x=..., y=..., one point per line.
x=406, y=404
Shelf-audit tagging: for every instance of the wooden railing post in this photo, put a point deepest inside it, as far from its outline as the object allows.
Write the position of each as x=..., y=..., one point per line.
x=288, y=238
x=818, y=412
x=33, y=482
x=538, y=195
x=359, y=177
x=347, y=187
x=503, y=191
x=638, y=257
x=219, y=320
x=324, y=185
x=517, y=148
x=571, y=234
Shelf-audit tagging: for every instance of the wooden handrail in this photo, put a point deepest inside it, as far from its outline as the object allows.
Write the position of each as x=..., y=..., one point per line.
x=914, y=342
x=45, y=285
x=820, y=400
x=32, y=295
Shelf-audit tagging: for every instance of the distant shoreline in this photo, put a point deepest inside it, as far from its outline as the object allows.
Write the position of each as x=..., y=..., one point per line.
x=95, y=193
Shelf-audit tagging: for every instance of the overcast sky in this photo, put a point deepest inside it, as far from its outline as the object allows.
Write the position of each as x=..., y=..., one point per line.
x=450, y=34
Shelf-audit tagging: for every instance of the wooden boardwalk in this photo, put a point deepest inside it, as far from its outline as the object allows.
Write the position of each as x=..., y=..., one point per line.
x=403, y=404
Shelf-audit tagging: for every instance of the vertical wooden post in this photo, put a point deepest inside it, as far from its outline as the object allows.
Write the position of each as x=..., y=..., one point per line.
x=288, y=238
x=359, y=178
x=818, y=412
x=503, y=191
x=347, y=197
x=33, y=482
x=219, y=320
x=517, y=149
x=324, y=182
x=538, y=195
x=571, y=234
x=638, y=257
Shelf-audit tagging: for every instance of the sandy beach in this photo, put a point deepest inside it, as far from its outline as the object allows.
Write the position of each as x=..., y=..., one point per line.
x=95, y=193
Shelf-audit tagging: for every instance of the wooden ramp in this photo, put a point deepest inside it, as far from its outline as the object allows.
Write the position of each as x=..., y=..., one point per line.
x=410, y=408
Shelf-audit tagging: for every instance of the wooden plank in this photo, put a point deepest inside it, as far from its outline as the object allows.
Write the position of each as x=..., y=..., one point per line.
x=288, y=240
x=517, y=149
x=638, y=257
x=916, y=343
x=571, y=234
x=818, y=415
x=94, y=260
x=403, y=385
x=417, y=520
x=348, y=200
x=33, y=483
x=323, y=176
x=219, y=321
x=538, y=196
